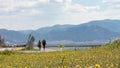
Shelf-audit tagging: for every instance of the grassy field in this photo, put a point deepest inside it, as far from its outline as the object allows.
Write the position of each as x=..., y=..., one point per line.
x=102, y=57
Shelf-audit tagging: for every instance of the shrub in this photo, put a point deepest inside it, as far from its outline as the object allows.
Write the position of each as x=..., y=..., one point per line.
x=113, y=45
x=61, y=46
x=7, y=52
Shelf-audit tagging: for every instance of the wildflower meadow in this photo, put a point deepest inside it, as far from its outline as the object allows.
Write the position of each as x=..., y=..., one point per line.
x=100, y=57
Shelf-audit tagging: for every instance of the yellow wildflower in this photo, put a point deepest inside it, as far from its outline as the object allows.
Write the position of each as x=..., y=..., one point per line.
x=78, y=66
x=97, y=65
x=8, y=67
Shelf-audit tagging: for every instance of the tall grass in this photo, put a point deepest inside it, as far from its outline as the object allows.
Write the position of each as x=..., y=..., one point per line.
x=107, y=56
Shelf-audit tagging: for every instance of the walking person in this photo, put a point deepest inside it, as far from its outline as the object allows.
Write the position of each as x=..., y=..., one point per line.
x=44, y=43
x=39, y=45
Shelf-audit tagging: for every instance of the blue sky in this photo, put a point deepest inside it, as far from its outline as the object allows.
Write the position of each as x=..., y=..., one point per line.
x=34, y=14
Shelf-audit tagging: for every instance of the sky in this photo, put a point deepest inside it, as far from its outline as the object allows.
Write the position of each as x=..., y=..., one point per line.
x=34, y=14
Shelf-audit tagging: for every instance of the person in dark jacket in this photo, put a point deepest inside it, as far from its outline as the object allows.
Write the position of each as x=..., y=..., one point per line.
x=44, y=43
x=39, y=45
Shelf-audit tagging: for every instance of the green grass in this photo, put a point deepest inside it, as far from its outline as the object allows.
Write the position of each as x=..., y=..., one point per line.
x=107, y=56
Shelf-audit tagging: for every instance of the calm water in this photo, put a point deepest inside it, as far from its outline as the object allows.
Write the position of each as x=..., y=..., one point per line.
x=71, y=48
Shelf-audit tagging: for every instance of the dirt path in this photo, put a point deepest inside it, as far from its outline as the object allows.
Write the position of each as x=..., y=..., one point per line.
x=38, y=51
x=28, y=51
x=2, y=49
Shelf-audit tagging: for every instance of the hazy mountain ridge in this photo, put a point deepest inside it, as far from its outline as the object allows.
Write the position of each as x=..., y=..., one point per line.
x=26, y=31
x=12, y=36
x=81, y=33
x=94, y=30
x=53, y=28
x=112, y=25
x=99, y=30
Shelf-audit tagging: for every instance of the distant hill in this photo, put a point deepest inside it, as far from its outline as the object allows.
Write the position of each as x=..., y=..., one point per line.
x=99, y=30
x=53, y=28
x=81, y=34
x=12, y=36
x=91, y=31
x=112, y=25
x=26, y=31
x=43, y=33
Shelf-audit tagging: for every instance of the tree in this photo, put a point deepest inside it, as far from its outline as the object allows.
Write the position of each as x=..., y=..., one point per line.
x=30, y=42
x=61, y=47
x=1, y=41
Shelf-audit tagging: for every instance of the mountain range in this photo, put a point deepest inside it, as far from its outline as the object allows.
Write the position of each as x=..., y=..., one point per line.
x=93, y=31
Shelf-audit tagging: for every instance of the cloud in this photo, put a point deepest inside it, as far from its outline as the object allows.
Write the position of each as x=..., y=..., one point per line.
x=16, y=3
x=60, y=1
x=29, y=12
x=110, y=1
x=79, y=13
x=82, y=17
x=49, y=12
x=68, y=1
x=44, y=1
x=10, y=5
x=20, y=7
x=80, y=8
x=34, y=11
x=112, y=4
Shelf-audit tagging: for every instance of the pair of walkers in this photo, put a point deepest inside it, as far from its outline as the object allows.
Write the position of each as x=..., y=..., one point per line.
x=41, y=43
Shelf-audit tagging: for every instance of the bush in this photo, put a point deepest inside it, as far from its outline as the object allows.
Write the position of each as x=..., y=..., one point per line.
x=7, y=52
x=29, y=48
x=113, y=45
x=61, y=46
x=117, y=43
